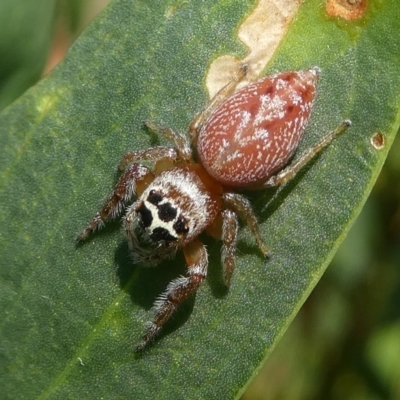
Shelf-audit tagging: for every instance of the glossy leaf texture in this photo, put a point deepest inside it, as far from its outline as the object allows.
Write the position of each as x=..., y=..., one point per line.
x=71, y=316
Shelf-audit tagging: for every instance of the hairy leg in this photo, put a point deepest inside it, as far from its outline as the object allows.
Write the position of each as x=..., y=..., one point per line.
x=230, y=228
x=292, y=169
x=182, y=143
x=178, y=290
x=123, y=192
x=242, y=206
x=151, y=154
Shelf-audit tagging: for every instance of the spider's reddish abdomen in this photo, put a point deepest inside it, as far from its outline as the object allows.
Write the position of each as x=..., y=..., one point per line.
x=253, y=134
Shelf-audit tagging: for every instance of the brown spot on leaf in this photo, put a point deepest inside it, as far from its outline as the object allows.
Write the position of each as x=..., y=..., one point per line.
x=346, y=9
x=378, y=140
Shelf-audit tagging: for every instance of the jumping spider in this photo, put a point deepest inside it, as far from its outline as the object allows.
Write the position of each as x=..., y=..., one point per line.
x=243, y=140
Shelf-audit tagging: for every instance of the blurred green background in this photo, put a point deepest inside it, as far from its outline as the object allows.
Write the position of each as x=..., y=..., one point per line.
x=345, y=341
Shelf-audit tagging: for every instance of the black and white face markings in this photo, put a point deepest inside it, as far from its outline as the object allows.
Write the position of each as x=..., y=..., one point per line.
x=162, y=219
x=175, y=208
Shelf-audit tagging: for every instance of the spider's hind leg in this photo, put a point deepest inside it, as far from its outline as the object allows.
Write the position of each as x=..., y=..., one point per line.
x=216, y=101
x=292, y=169
x=242, y=206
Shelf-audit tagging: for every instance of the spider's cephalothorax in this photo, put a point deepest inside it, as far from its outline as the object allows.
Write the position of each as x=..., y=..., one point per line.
x=243, y=140
x=171, y=212
x=176, y=206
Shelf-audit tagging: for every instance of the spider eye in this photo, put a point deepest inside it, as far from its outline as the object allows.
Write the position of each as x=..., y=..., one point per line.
x=166, y=212
x=180, y=226
x=146, y=217
x=154, y=197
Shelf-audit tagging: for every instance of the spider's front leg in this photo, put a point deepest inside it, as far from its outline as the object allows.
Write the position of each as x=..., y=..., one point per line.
x=178, y=290
x=133, y=181
x=123, y=192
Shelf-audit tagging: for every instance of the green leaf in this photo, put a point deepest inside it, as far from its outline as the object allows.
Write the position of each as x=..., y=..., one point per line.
x=71, y=316
x=25, y=34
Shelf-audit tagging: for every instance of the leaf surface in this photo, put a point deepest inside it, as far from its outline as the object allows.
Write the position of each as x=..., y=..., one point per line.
x=71, y=316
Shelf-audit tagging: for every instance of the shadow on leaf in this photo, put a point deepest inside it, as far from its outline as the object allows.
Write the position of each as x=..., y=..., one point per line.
x=145, y=284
